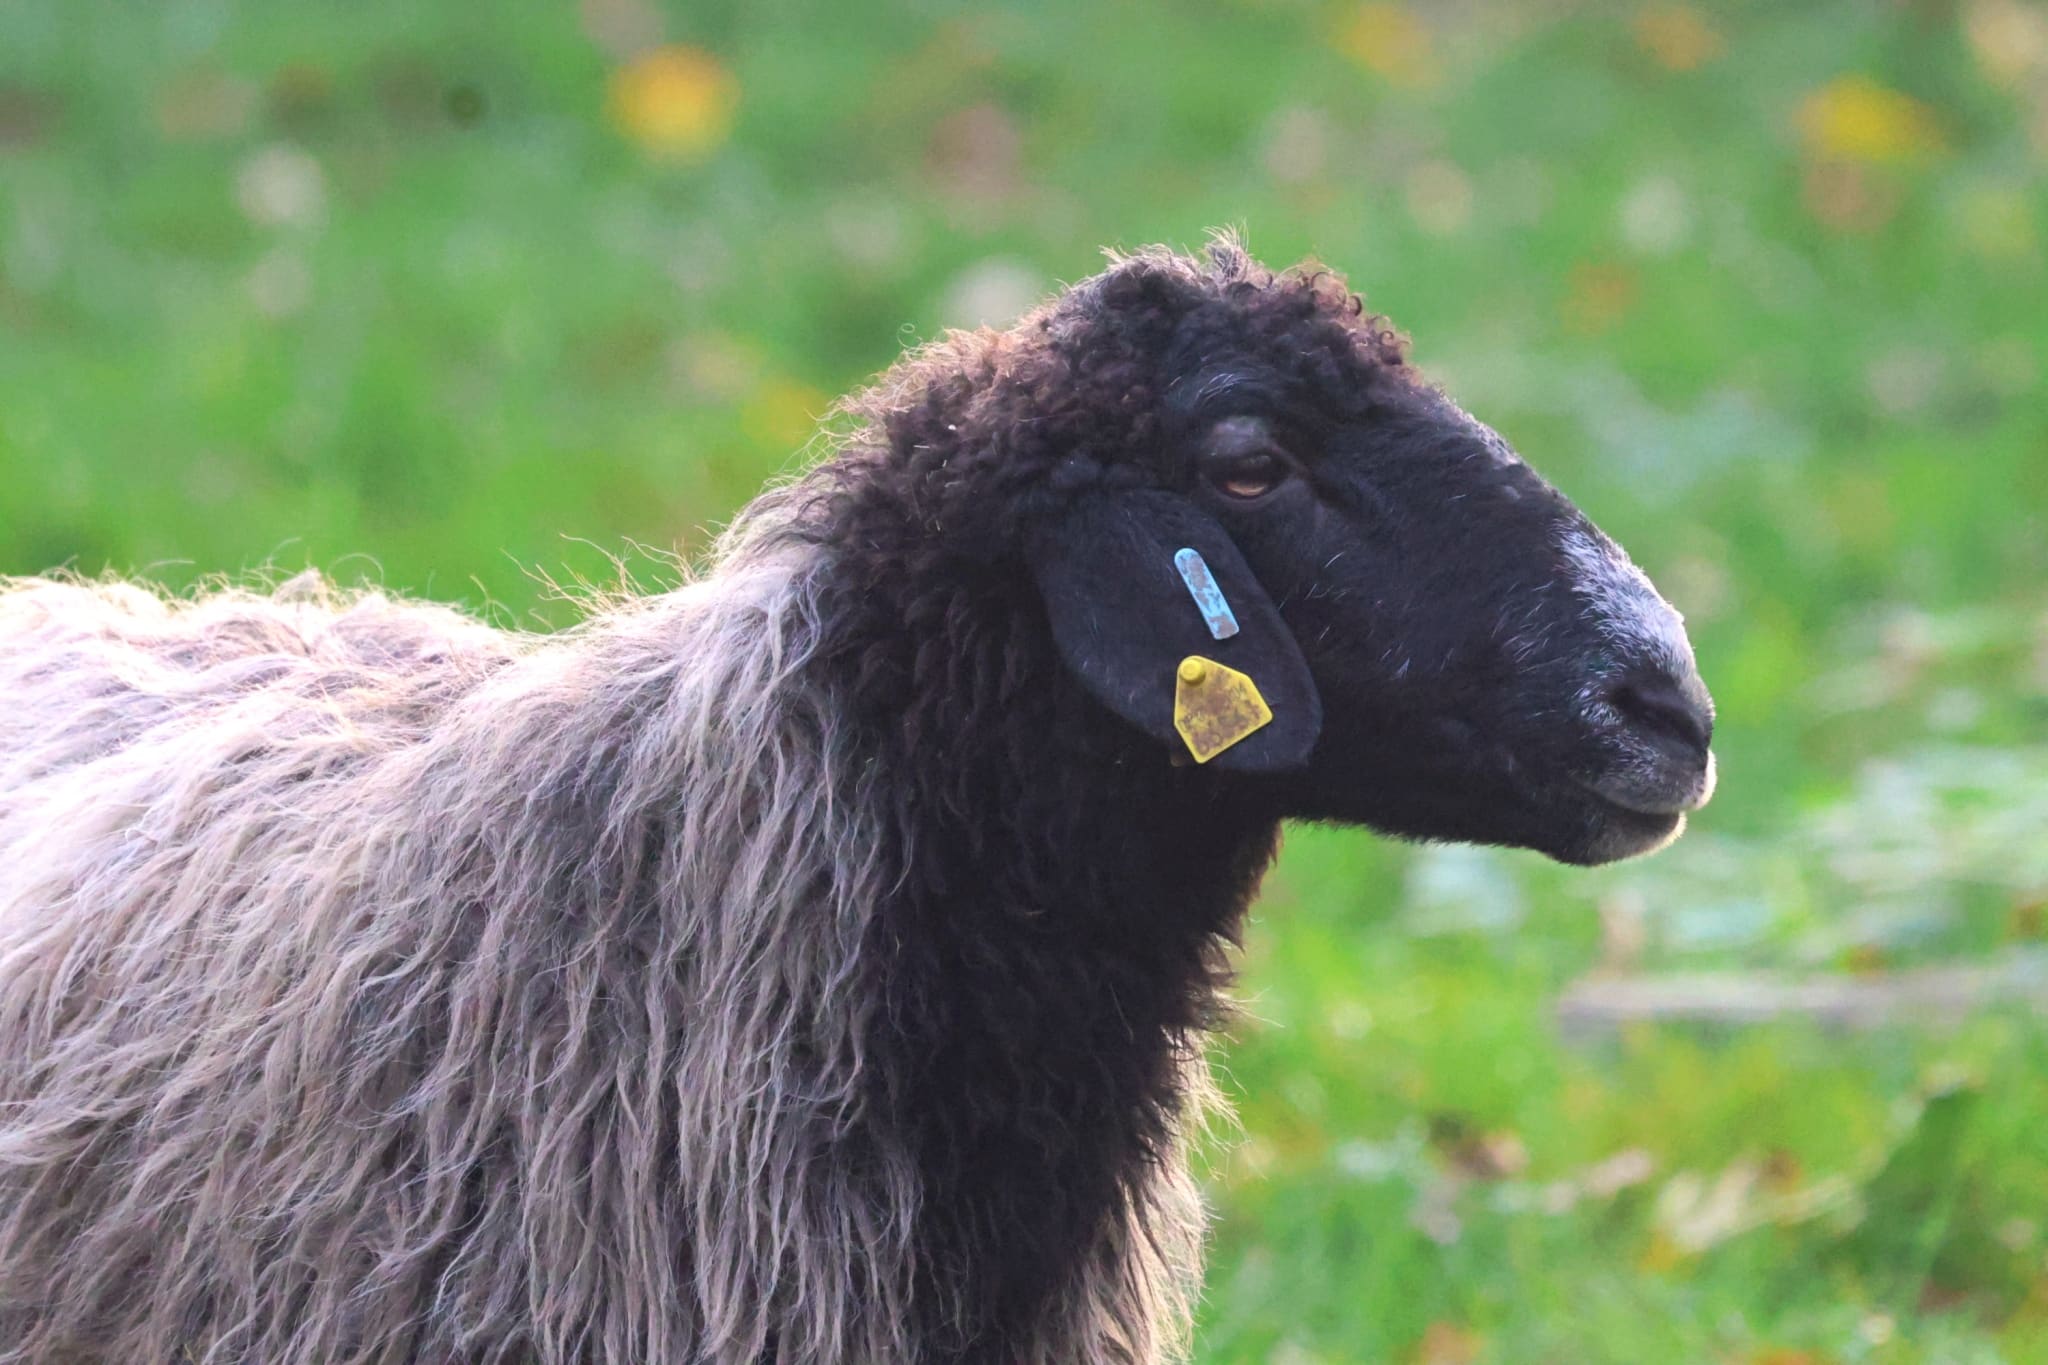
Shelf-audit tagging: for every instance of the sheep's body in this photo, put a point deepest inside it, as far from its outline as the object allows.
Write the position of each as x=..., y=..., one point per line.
x=300, y=964
x=378, y=986
x=808, y=966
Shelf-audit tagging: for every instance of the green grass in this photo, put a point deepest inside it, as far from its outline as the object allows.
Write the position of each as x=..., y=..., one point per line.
x=384, y=288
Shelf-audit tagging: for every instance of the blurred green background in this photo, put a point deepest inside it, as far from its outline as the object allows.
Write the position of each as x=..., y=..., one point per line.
x=458, y=298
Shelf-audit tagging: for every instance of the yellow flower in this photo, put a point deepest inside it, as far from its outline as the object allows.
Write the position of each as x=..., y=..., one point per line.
x=674, y=101
x=1676, y=37
x=1390, y=41
x=1853, y=118
x=1447, y=1343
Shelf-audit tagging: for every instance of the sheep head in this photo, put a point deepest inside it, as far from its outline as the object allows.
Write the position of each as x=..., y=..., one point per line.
x=1447, y=647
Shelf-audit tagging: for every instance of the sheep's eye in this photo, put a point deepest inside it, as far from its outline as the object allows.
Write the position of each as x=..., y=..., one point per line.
x=1250, y=475
x=1241, y=459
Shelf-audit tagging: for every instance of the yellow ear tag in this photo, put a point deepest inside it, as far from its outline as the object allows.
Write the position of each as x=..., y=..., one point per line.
x=1214, y=707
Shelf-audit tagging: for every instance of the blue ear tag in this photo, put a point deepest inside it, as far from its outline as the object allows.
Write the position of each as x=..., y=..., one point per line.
x=1216, y=612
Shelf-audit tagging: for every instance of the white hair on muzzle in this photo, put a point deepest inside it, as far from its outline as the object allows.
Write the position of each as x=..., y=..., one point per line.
x=1626, y=609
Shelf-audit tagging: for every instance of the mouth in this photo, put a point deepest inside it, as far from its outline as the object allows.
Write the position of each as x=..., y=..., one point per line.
x=1656, y=787
x=1638, y=810
x=1622, y=812
x=1587, y=802
x=1616, y=832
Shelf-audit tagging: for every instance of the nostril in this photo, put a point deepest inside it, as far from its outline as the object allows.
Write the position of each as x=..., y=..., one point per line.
x=1660, y=705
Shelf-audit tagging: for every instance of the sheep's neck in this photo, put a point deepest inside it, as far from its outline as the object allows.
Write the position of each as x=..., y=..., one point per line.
x=1055, y=954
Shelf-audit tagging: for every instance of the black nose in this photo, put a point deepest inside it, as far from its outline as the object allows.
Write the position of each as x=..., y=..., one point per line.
x=1656, y=704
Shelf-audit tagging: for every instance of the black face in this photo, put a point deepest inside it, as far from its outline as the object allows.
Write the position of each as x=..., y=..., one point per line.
x=1490, y=666
x=1449, y=648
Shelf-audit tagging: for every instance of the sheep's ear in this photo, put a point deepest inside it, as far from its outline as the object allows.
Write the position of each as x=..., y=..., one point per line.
x=1126, y=618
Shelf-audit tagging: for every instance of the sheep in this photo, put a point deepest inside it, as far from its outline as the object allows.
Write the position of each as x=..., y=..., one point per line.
x=813, y=962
